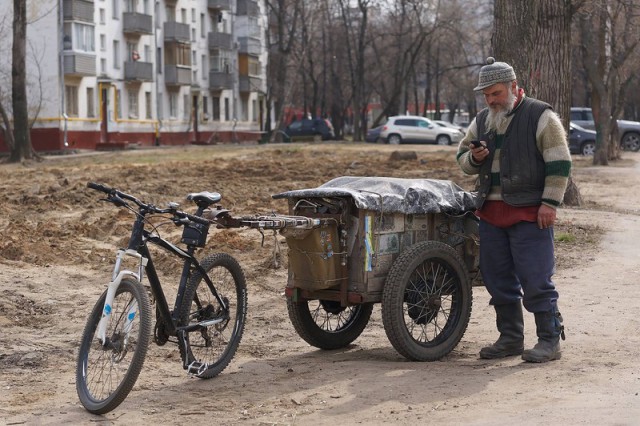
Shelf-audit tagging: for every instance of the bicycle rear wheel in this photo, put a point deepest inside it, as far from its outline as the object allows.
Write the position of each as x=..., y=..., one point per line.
x=212, y=347
x=106, y=373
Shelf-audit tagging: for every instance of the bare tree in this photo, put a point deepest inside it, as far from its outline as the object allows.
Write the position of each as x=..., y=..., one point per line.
x=283, y=19
x=21, y=132
x=607, y=53
x=542, y=60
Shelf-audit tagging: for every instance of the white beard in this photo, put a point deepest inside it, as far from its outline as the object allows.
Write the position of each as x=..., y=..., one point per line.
x=497, y=119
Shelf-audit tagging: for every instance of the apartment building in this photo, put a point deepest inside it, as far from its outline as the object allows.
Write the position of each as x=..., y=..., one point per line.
x=107, y=73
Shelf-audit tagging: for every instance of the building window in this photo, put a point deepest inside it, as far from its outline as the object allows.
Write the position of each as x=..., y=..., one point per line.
x=146, y=7
x=193, y=34
x=254, y=66
x=183, y=15
x=103, y=18
x=71, y=100
x=160, y=111
x=193, y=15
x=132, y=6
x=116, y=9
x=103, y=65
x=91, y=110
x=226, y=109
x=118, y=104
x=187, y=107
x=132, y=95
x=147, y=53
x=205, y=107
x=202, y=29
x=245, y=110
x=254, y=27
x=171, y=14
x=79, y=37
x=103, y=42
x=215, y=108
x=147, y=105
x=159, y=60
x=220, y=61
x=116, y=54
x=255, y=110
x=131, y=49
x=173, y=105
x=178, y=54
x=205, y=72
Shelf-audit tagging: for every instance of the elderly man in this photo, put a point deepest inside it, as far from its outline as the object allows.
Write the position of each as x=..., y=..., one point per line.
x=518, y=148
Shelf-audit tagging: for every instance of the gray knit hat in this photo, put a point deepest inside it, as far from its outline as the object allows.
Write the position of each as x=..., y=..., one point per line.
x=494, y=72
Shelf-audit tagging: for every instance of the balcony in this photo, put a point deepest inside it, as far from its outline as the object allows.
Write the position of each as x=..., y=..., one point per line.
x=220, y=80
x=219, y=4
x=177, y=75
x=138, y=71
x=137, y=23
x=176, y=31
x=247, y=7
x=222, y=41
x=78, y=10
x=79, y=64
x=249, y=84
x=250, y=46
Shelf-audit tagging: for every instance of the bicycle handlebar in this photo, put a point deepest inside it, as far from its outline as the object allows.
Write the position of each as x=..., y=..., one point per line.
x=115, y=196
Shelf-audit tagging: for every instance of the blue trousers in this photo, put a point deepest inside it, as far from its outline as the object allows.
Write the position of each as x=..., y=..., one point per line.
x=518, y=262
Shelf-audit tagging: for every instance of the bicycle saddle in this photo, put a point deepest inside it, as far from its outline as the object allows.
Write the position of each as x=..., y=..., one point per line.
x=204, y=199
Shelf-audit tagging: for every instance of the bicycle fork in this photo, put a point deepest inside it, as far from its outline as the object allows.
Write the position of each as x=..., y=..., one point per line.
x=116, y=279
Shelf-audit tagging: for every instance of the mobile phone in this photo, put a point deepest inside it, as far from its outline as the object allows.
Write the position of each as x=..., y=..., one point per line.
x=476, y=144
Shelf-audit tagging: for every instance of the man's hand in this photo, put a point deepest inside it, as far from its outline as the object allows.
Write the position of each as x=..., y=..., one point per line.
x=480, y=153
x=546, y=216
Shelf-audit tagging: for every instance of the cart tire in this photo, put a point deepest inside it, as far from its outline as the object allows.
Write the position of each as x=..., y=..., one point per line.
x=327, y=325
x=426, y=301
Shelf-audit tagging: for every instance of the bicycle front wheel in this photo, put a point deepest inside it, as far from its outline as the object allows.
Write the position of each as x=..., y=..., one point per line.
x=105, y=373
x=214, y=342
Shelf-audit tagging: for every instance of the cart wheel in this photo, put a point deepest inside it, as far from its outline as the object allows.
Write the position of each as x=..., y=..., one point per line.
x=426, y=301
x=325, y=324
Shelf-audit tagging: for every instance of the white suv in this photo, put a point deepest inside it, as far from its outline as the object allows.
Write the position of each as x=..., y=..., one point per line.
x=414, y=129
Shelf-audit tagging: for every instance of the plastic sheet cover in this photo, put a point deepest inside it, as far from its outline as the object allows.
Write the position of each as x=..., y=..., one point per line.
x=394, y=195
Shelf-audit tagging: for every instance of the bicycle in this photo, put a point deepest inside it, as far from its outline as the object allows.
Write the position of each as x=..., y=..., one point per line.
x=207, y=320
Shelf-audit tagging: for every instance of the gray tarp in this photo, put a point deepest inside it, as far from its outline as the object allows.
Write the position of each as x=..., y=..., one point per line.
x=408, y=196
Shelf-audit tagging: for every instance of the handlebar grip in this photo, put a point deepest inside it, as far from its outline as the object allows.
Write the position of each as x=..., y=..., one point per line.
x=100, y=187
x=197, y=219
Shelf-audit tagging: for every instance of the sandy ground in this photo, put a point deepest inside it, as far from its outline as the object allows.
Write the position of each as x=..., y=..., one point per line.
x=58, y=244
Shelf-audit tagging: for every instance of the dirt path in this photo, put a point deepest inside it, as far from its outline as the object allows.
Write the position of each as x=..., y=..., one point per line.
x=276, y=378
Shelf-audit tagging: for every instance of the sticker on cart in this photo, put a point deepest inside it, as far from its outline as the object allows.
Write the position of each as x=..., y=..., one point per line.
x=368, y=243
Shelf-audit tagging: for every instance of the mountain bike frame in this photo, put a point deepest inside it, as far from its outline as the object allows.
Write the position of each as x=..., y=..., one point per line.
x=167, y=321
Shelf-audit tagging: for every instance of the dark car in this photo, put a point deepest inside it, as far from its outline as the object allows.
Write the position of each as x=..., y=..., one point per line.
x=373, y=135
x=581, y=140
x=310, y=128
x=629, y=130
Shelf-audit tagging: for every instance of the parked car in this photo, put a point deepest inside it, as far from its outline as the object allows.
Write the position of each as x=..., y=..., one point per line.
x=414, y=129
x=310, y=127
x=629, y=130
x=444, y=123
x=373, y=135
x=581, y=140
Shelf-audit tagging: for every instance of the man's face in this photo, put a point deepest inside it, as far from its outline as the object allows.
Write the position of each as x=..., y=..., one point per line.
x=498, y=97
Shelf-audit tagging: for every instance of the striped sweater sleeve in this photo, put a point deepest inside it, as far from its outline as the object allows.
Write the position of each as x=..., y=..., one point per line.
x=551, y=140
x=463, y=157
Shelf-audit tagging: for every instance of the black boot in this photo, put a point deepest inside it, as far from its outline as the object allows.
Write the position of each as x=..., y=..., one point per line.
x=549, y=329
x=511, y=327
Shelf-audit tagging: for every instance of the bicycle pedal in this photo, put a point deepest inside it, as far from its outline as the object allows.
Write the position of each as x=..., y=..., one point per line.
x=196, y=368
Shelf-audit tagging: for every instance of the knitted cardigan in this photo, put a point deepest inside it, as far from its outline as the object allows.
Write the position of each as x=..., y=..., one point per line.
x=551, y=141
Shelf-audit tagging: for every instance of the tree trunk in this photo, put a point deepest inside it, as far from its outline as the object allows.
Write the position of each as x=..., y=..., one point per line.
x=534, y=37
x=22, y=149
